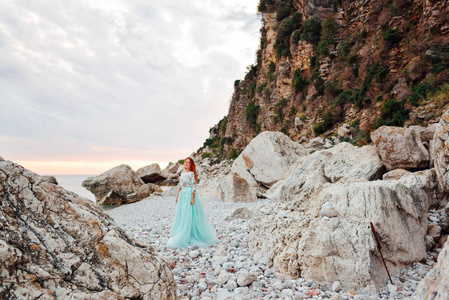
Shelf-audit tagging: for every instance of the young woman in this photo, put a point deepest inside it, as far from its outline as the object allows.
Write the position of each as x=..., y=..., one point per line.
x=190, y=226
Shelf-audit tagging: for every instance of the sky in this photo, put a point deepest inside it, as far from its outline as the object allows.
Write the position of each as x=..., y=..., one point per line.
x=88, y=85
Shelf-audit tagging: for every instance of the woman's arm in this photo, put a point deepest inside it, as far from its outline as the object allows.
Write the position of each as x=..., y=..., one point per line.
x=177, y=195
x=192, y=201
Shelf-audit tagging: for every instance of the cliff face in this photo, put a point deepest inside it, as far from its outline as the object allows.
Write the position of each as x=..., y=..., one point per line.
x=324, y=63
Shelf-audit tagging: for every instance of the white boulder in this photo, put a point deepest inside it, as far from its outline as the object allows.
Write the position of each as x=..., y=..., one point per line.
x=327, y=237
x=439, y=151
x=436, y=283
x=120, y=185
x=400, y=148
x=261, y=164
x=64, y=246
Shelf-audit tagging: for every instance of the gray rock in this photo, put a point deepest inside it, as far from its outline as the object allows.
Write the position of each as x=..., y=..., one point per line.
x=395, y=174
x=150, y=174
x=69, y=246
x=400, y=148
x=194, y=253
x=51, y=179
x=336, y=286
x=313, y=243
x=244, y=278
x=119, y=185
x=262, y=163
x=434, y=231
x=240, y=213
x=223, y=277
x=230, y=285
x=352, y=162
x=315, y=144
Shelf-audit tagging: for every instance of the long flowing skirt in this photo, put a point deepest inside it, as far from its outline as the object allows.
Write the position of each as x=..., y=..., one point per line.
x=190, y=226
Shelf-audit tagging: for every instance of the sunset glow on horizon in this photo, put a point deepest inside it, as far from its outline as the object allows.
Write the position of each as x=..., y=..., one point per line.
x=81, y=167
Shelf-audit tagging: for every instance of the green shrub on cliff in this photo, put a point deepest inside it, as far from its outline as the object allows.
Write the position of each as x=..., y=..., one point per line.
x=222, y=125
x=347, y=96
x=206, y=155
x=271, y=69
x=288, y=25
x=252, y=111
x=233, y=154
x=283, y=11
x=419, y=92
x=299, y=82
x=311, y=31
x=328, y=33
x=331, y=117
x=392, y=113
x=392, y=36
x=279, y=109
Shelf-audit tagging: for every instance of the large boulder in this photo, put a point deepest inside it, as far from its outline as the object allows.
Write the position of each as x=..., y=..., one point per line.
x=341, y=163
x=119, y=185
x=351, y=162
x=57, y=245
x=320, y=230
x=439, y=150
x=400, y=148
x=210, y=177
x=261, y=164
x=170, y=174
x=150, y=174
x=435, y=285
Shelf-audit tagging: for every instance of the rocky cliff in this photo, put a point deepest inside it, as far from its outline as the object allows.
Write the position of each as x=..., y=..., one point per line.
x=324, y=63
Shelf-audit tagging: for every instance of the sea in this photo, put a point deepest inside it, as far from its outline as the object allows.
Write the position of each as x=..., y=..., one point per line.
x=74, y=183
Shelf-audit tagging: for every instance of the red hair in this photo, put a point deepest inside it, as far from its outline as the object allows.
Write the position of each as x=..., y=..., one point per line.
x=193, y=167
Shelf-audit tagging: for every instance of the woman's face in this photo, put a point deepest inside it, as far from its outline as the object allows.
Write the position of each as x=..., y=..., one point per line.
x=187, y=164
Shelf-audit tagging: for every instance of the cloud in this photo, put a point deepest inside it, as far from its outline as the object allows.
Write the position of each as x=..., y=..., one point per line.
x=142, y=75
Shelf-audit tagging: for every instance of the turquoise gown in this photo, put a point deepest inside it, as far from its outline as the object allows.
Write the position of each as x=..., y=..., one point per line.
x=190, y=226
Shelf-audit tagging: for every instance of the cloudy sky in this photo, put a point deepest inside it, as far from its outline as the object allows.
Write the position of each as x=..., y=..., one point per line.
x=86, y=85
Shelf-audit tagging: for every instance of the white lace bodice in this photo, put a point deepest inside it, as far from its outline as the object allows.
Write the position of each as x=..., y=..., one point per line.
x=187, y=179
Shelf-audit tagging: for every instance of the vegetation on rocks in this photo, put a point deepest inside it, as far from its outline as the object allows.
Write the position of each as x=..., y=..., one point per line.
x=288, y=25
x=381, y=63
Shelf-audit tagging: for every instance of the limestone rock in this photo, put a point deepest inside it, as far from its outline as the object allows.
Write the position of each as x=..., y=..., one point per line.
x=209, y=177
x=344, y=162
x=150, y=174
x=436, y=283
x=354, y=163
x=426, y=133
x=119, y=185
x=327, y=248
x=261, y=164
x=401, y=89
x=315, y=144
x=344, y=131
x=234, y=188
x=57, y=245
x=299, y=123
x=240, y=213
x=170, y=192
x=51, y=179
x=395, y=174
x=400, y=148
x=439, y=151
x=434, y=231
x=223, y=277
x=336, y=286
x=244, y=278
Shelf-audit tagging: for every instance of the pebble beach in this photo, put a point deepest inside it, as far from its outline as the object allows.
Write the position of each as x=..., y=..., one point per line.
x=227, y=271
